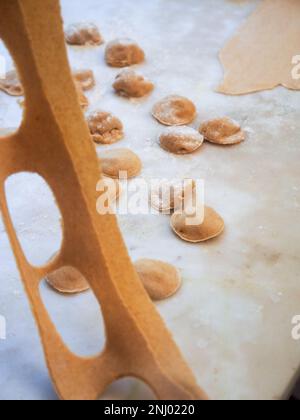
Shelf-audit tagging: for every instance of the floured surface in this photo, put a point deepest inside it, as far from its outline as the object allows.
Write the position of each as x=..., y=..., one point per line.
x=232, y=317
x=261, y=55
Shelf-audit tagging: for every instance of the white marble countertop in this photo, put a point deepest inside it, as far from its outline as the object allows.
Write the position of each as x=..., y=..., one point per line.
x=232, y=318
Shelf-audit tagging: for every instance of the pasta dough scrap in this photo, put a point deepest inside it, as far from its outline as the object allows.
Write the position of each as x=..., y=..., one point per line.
x=138, y=343
x=11, y=84
x=261, y=55
x=161, y=280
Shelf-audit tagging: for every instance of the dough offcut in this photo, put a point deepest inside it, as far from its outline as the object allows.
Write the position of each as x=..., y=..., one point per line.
x=260, y=56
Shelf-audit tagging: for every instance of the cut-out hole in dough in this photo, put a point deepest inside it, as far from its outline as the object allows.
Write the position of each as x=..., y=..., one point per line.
x=128, y=389
x=35, y=215
x=11, y=110
x=77, y=318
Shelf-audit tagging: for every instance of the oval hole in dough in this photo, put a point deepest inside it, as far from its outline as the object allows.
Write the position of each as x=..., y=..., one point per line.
x=78, y=319
x=35, y=215
x=11, y=94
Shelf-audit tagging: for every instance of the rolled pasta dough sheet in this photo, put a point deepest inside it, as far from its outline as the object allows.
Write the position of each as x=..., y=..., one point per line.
x=265, y=53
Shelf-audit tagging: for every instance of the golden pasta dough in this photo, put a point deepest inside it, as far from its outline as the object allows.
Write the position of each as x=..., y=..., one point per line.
x=124, y=53
x=261, y=54
x=222, y=131
x=174, y=110
x=105, y=128
x=83, y=34
x=211, y=227
x=122, y=162
x=132, y=85
x=11, y=84
x=161, y=280
x=181, y=140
